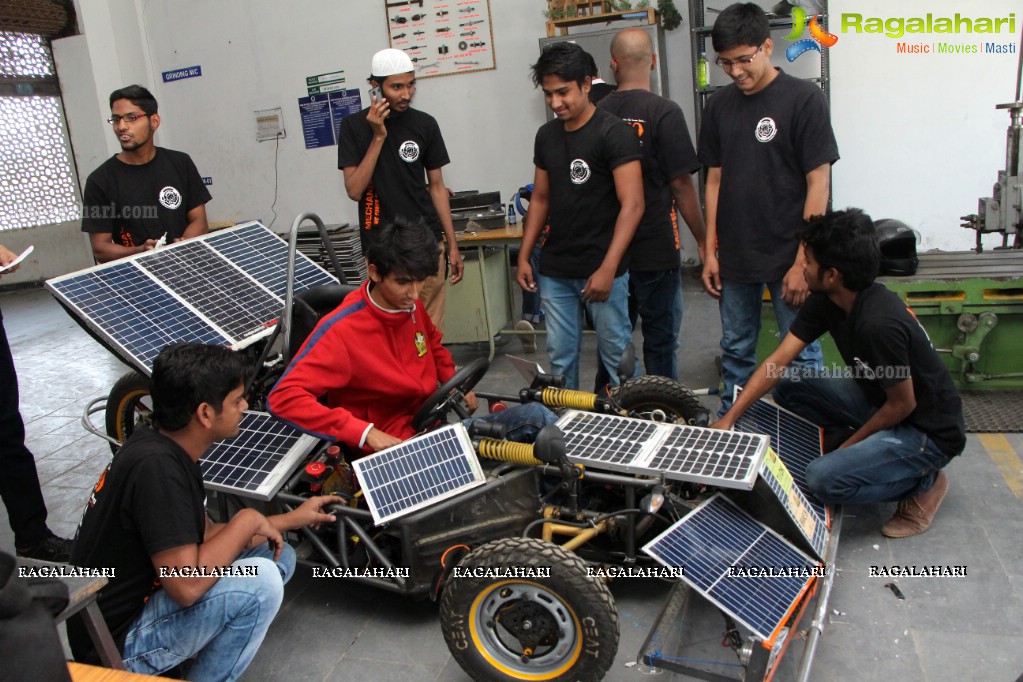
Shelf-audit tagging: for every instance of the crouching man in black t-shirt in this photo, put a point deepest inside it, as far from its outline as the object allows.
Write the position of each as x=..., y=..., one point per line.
x=895, y=405
x=183, y=587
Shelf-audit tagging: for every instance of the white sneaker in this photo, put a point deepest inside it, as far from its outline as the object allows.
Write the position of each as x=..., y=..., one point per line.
x=527, y=335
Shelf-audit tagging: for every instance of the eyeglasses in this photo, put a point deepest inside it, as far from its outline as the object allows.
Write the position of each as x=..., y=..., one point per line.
x=130, y=118
x=742, y=60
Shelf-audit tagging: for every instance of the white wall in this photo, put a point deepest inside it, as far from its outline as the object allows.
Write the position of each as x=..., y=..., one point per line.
x=919, y=134
x=255, y=54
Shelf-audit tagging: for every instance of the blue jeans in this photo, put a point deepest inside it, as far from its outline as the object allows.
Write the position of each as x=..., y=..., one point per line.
x=740, y=327
x=658, y=300
x=521, y=422
x=222, y=630
x=563, y=305
x=530, y=299
x=886, y=466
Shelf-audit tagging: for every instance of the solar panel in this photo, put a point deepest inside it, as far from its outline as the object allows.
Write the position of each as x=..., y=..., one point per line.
x=740, y=565
x=260, y=253
x=796, y=440
x=797, y=443
x=225, y=288
x=677, y=451
x=418, y=473
x=257, y=461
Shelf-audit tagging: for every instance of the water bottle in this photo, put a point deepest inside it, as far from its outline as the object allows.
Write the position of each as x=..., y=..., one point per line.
x=702, y=73
x=511, y=213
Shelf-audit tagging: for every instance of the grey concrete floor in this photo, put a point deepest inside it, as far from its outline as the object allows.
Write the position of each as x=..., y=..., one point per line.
x=964, y=628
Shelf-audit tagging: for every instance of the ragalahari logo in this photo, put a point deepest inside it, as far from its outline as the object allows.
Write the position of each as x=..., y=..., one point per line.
x=818, y=36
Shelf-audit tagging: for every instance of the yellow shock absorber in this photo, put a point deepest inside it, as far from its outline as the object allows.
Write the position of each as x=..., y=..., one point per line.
x=506, y=451
x=563, y=397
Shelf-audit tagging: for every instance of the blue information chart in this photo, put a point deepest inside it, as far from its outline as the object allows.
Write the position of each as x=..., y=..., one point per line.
x=342, y=103
x=322, y=114
x=316, y=128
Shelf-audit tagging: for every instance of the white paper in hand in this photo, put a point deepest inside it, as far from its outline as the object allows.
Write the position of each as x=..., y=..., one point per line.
x=14, y=263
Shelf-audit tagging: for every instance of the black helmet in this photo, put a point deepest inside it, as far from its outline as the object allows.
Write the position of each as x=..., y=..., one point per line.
x=897, y=242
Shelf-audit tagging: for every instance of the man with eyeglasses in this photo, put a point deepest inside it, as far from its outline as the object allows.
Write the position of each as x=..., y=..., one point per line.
x=767, y=143
x=144, y=195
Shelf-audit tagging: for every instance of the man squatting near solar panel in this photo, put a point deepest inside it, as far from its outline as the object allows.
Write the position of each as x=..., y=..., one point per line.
x=895, y=419
x=144, y=194
x=183, y=587
x=377, y=357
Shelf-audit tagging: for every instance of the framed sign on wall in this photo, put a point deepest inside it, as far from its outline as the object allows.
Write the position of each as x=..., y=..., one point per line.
x=442, y=37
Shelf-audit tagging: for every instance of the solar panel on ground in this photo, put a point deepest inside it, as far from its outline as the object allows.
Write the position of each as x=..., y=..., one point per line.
x=225, y=288
x=257, y=461
x=419, y=472
x=688, y=453
x=737, y=563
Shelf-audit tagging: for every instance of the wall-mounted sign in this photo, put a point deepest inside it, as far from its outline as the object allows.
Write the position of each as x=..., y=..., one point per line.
x=178, y=74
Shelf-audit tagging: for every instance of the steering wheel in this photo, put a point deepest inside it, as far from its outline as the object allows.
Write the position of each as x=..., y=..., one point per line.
x=435, y=410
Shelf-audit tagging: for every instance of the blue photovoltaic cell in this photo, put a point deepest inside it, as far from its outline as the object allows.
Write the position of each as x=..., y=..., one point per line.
x=225, y=288
x=256, y=462
x=264, y=256
x=717, y=536
x=134, y=312
x=217, y=289
x=796, y=440
x=418, y=472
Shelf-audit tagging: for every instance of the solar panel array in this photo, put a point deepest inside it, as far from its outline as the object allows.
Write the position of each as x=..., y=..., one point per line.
x=688, y=453
x=418, y=473
x=257, y=461
x=797, y=442
x=225, y=288
x=737, y=563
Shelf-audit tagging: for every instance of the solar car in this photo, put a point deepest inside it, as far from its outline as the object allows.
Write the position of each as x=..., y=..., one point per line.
x=517, y=542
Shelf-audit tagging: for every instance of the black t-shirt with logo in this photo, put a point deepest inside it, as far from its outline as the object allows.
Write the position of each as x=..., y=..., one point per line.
x=140, y=202
x=765, y=144
x=148, y=500
x=413, y=146
x=583, y=203
x=880, y=340
x=668, y=153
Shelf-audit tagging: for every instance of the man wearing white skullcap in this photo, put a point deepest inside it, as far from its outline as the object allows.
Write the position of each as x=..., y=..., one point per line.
x=385, y=151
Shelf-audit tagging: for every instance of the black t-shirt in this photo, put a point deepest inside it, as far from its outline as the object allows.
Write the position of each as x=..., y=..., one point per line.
x=136, y=203
x=413, y=146
x=583, y=203
x=880, y=340
x=148, y=500
x=668, y=153
x=765, y=144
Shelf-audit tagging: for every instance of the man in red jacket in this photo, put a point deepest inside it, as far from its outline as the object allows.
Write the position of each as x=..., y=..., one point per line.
x=378, y=357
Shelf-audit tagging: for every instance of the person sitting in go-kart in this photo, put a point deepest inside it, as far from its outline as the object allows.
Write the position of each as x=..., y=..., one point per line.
x=377, y=357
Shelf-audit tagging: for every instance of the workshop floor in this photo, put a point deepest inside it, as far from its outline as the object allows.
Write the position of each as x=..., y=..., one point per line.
x=965, y=628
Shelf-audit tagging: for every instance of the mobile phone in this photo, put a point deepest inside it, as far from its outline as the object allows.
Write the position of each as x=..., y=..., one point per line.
x=375, y=95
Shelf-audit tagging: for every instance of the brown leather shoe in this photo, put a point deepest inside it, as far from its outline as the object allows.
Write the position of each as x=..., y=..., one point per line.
x=915, y=514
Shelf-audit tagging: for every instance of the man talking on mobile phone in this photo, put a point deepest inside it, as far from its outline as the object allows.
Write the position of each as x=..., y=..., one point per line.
x=386, y=151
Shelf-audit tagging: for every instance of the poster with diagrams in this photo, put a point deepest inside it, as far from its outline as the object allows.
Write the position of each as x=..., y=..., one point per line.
x=442, y=37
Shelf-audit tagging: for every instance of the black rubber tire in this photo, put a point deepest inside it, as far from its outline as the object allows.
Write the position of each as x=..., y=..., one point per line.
x=579, y=606
x=127, y=405
x=641, y=396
